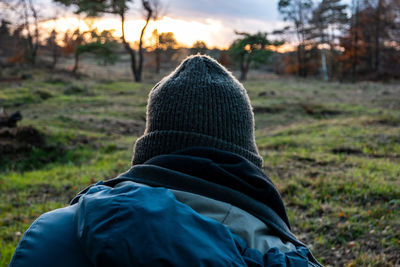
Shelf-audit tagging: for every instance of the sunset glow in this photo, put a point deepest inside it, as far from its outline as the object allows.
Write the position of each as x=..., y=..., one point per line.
x=186, y=32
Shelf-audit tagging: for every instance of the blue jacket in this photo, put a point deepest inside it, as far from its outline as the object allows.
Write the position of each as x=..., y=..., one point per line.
x=133, y=225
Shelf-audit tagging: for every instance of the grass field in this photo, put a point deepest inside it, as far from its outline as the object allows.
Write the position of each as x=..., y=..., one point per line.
x=333, y=150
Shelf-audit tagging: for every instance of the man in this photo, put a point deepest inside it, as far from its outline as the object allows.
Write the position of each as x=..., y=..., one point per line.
x=195, y=195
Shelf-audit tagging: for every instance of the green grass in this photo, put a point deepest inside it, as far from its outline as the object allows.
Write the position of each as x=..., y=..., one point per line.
x=333, y=150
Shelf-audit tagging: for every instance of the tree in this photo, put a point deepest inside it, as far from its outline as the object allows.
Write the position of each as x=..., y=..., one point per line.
x=102, y=44
x=27, y=12
x=327, y=19
x=33, y=37
x=5, y=40
x=71, y=41
x=298, y=12
x=372, y=41
x=199, y=47
x=54, y=48
x=250, y=48
x=119, y=8
x=5, y=28
x=16, y=53
x=163, y=43
x=356, y=47
x=384, y=18
x=5, y=36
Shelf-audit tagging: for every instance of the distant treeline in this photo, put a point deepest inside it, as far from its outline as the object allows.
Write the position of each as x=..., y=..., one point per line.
x=326, y=38
x=339, y=41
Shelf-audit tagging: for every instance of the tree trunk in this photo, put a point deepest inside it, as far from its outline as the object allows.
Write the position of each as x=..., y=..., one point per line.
x=377, y=35
x=36, y=44
x=157, y=51
x=55, y=58
x=243, y=73
x=324, y=68
x=355, y=43
x=33, y=41
x=138, y=76
x=31, y=47
x=76, y=64
x=244, y=68
x=128, y=48
x=133, y=59
x=302, y=69
x=300, y=59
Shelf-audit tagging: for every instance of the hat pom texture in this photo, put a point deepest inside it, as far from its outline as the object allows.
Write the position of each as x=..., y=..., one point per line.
x=198, y=104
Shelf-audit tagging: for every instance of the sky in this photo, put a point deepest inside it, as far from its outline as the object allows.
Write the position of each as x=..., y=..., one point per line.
x=212, y=21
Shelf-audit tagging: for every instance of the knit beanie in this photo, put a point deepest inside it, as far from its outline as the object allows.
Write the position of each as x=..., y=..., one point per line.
x=198, y=104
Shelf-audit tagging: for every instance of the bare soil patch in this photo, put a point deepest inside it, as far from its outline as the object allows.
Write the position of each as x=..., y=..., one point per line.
x=112, y=125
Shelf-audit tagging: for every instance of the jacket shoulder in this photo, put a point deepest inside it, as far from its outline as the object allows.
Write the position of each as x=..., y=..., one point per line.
x=49, y=241
x=143, y=226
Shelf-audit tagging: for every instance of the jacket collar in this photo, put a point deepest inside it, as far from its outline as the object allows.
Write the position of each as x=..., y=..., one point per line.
x=217, y=174
x=226, y=169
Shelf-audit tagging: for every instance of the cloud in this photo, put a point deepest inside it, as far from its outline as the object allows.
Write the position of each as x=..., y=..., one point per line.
x=230, y=15
x=224, y=9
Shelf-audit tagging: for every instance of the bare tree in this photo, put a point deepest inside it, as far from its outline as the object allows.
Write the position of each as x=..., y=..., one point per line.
x=54, y=48
x=327, y=17
x=120, y=8
x=298, y=12
x=355, y=33
x=149, y=13
x=33, y=37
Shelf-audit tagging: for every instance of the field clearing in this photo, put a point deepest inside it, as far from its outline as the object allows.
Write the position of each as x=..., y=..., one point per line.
x=332, y=149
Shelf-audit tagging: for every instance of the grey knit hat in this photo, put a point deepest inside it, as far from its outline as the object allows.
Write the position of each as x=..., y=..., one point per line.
x=198, y=104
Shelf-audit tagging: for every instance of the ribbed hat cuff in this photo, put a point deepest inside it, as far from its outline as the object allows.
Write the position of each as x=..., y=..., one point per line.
x=166, y=142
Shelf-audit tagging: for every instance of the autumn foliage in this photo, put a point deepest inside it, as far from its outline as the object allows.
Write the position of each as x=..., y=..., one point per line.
x=364, y=44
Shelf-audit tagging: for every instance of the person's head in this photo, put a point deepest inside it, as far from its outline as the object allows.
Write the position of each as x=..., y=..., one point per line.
x=198, y=104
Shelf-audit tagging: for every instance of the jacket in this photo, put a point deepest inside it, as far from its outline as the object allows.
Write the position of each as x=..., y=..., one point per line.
x=134, y=220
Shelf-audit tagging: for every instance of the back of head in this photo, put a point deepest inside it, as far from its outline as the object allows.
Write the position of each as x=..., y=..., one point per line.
x=198, y=104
